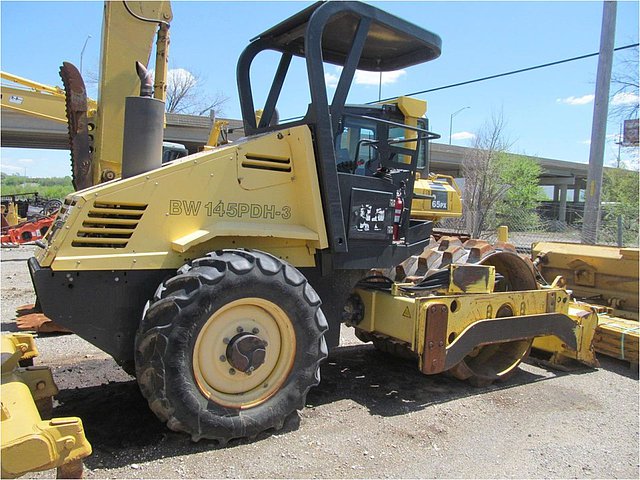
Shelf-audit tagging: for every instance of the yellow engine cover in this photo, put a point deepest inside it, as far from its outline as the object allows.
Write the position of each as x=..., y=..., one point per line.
x=260, y=193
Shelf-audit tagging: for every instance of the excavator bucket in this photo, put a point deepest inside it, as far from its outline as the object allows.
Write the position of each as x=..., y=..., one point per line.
x=29, y=442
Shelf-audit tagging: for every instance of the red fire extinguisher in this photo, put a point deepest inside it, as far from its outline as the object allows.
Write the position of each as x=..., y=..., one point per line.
x=397, y=216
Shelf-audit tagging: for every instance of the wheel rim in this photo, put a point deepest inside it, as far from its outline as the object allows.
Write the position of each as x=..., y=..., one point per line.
x=244, y=353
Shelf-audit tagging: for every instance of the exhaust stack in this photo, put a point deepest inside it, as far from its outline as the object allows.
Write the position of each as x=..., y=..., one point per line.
x=143, y=129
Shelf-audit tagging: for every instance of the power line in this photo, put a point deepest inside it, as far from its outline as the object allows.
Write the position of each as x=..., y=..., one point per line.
x=490, y=77
x=513, y=72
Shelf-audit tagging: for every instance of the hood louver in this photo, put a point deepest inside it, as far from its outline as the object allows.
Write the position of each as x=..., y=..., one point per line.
x=109, y=225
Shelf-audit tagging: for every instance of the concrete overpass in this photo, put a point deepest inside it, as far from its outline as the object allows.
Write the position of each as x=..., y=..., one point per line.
x=24, y=131
x=563, y=176
x=17, y=130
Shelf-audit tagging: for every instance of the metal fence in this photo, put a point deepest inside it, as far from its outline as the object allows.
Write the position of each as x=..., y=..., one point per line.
x=612, y=231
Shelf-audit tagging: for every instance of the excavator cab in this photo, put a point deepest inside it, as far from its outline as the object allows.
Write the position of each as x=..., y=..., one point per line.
x=366, y=155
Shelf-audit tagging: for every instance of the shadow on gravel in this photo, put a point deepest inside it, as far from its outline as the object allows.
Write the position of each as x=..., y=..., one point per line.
x=621, y=367
x=123, y=430
x=389, y=386
x=11, y=327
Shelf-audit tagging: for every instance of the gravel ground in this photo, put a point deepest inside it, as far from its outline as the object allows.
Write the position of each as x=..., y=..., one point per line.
x=373, y=416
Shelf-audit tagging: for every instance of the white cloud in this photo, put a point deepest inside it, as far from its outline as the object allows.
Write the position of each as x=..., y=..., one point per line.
x=331, y=80
x=364, y=78
x=586, y=142
x=463, y=136
x=625, y=98
x=15, y=165
x=373, y=78
x=583, y=100
x=622, y=98
x=44, y=163
x=11, y=168
x=180, y=76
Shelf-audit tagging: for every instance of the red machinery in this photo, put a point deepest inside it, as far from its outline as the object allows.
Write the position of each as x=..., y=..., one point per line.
x=26, y=220
x=28, y=231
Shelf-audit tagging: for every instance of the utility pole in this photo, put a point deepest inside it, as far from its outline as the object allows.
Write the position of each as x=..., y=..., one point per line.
x=591, y=222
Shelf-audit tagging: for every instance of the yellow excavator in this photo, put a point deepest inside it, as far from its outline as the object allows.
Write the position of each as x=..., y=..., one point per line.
x=221, y=279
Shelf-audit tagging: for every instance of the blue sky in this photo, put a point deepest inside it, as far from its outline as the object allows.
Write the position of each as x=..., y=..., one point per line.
x=548, y=112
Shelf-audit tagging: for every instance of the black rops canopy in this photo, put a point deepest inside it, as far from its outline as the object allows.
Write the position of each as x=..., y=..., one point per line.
x=353, y=35
x=391, y=43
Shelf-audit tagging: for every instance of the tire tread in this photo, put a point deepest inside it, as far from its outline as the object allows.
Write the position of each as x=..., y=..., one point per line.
x=169, y=303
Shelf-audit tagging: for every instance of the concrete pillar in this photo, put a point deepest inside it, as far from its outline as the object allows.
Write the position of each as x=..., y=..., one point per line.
x=581, y=185
x=562, y=211
x=555, y=193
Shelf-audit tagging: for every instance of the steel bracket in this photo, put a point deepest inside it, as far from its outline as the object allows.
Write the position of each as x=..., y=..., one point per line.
x=435, y=349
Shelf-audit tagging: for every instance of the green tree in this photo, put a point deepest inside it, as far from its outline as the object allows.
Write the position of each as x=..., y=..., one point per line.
x=517, y=208
x=51, y=188
x=620, y=197
x=482, y=186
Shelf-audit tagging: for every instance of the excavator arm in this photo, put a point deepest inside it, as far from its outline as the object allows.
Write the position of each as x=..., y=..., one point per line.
x=33, y=98
x=95, y=128
x=128, y=32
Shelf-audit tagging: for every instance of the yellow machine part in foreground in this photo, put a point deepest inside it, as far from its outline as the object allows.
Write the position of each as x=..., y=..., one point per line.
x=30, y=443
x=10, y=214
x=607, y=278
x=601, y=274
x=586, y=322
x=618, y=338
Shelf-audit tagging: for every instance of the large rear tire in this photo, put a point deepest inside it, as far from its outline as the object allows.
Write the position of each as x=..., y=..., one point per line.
x=230, y=346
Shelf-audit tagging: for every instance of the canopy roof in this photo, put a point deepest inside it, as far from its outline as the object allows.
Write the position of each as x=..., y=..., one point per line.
x=391, y=43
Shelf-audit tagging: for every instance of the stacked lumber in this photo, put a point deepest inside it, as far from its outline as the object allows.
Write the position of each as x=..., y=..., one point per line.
x=617, y=337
